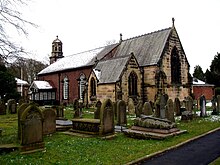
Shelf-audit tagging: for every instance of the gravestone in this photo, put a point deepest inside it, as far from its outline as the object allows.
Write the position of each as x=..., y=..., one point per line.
x=177, y=106
x=202, y=101
x=157, y=107
x=162, y=106
x=107, y=118
x=189, y=103
x=49, y=124
x=214, y=107
x=59, y=111
x=21, y=109
x=32, y=129
x=218, y=104
x=131, y=106
x=2, y=108
x=170, y=110
x=139, y=107
x=76, y=108
x=97, y=111
x=121, y=113
x=147, y=109
x=12, y=106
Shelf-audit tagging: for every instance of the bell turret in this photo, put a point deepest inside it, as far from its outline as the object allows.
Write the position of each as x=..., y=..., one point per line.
x=57, y=52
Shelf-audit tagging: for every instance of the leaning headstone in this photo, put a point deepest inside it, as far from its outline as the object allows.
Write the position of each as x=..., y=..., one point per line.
x=97, y=111
x=138, y=108
x=202, y=101
x=177, y=106
x=107, y=118
x=49, y=124
x=12, y=106
x=218, y=104
x=147, y=109
x=170, y=110
x=121, y=113
x=32, y=129
x=2, y=108
x=131, y=106
x=214, y=107
x=162, y=106
x=21, y=109
x=76, y=108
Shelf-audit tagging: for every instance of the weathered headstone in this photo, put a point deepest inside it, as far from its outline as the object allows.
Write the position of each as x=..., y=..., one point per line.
x=121, y=113
x=139, y=107
x=189, y=103
x=2, y=108
x=21, y=109
x=177, y=106
x=59, y=111
x=214, y=107
x=97, y=111
x=131, y=106
x=12, y=106
x=32, y=129
x=170, y=110
x=49, y=124
x=157, y=107
x=162, y=106
x=147, y=109
x=76, y=108
x=107, y=118
x=202, y=101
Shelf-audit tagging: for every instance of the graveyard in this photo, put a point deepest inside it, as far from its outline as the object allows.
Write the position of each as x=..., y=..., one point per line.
x=28, y=133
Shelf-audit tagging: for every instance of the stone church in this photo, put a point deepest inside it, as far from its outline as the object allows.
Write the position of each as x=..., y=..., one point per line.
x=140, y=67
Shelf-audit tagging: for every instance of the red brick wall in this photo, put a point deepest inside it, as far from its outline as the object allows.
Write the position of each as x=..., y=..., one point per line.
x=207, y=91
x=56, y=80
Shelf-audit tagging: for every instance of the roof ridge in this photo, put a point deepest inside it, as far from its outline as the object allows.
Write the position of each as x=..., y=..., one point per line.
x=90, y=50
x=147, y=34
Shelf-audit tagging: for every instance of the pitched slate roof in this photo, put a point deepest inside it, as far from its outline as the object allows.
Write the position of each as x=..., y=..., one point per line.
x=41, y=85
x=78, y=60
x=146, y=48
x=109, y=71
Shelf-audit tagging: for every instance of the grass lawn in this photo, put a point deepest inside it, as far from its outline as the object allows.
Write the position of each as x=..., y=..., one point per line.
x=65, y=149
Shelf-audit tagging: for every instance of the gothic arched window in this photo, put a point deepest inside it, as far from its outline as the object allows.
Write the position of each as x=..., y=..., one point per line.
x=175, y=67
x=132, y=84
x=65, y=88
x=93, y=87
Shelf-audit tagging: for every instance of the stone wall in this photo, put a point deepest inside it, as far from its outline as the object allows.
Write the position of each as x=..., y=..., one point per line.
x=105, y=91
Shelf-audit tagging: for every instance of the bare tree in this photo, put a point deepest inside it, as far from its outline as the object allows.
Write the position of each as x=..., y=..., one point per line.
x=11, y=17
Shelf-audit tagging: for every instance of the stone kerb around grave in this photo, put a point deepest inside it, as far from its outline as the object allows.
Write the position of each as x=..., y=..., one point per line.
x=107, y=118
x=32, y=129
x=121, y=113
x=49, y=124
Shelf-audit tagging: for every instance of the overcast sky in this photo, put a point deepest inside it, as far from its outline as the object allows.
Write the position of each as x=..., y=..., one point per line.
x=88, y=24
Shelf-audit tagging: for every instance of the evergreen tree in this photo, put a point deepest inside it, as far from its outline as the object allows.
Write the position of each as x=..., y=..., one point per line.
x=213, y=76
x=198, y=73
x=8, y=87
